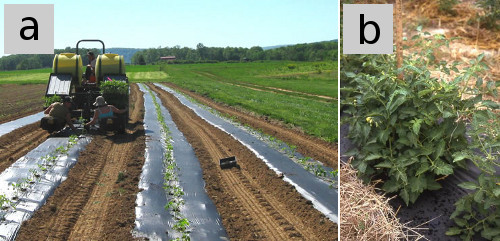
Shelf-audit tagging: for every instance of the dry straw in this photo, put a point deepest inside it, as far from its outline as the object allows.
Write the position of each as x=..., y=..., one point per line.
x=366, y=215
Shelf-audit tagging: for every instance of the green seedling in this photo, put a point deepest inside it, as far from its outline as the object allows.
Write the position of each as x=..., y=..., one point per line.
x=121, y=177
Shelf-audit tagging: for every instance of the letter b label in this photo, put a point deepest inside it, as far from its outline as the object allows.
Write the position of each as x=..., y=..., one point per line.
x=367, y=29
x=29, y=28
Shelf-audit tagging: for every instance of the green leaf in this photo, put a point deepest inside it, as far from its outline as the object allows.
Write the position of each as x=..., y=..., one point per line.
x=424, y=92
x=479, y=82
x=432, y=184
x=468, y=185
x=489, y=233
x=460, y=222
x=352, y=152
x=496, y=192
x=362, y=167
x=479, y=196
x=385, y=164
x=404, y=195
x=458, y=156
x=416, y=126
x=395, y=100
x=441, y=168
x=440, y=149
x=383, y=135
x=424, y=166
x=391, y=186
x=350, y=74
x=491, y=104
x=447, y=114
x=453, y=231
x=417, y=184
x=373, y=156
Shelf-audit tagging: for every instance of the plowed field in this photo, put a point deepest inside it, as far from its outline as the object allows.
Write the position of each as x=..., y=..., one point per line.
x=95, y=204
x=20, y=100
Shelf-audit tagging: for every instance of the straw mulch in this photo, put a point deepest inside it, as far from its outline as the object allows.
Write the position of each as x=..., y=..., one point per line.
x=366, y=215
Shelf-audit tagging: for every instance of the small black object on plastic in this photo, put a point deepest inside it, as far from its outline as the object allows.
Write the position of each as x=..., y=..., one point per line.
x=228, y=162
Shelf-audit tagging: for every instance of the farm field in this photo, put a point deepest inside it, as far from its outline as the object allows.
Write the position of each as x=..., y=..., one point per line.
x=98, y=199
x=303, y=97
x=20, y=100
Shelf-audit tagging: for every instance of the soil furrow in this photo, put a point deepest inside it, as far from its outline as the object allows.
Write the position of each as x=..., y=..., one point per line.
x=17, y=143
x=240, y=184
x=90, y=225
x=243, y=187
x=306, y=145
x=94, y=203
x=63, y=208
x=237, y=185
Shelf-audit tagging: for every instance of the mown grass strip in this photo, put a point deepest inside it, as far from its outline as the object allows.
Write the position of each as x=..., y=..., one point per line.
x=147, y=76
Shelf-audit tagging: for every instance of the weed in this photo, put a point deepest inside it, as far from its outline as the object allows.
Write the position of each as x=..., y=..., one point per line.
x=121, y=191
x=121, y=177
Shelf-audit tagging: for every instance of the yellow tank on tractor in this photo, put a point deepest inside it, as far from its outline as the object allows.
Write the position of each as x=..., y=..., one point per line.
x=67, y=79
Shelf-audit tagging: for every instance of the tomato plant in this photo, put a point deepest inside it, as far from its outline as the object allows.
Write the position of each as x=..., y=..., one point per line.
x=413, y=131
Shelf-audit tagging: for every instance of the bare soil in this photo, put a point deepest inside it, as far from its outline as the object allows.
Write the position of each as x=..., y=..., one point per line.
x=307, y=145
x=92, y=204
x=254, y=203
x=17, y=143
x=17, y=101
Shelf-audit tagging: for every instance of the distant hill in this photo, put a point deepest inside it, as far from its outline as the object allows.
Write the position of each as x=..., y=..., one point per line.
x=286, y=45
x=276, y=46
x=126, y=52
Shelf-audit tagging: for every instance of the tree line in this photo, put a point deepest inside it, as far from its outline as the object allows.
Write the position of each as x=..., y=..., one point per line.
x=320, y=51
x=38, y=61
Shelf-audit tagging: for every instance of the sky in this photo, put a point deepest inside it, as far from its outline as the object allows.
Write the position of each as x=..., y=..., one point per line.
x=167, y=23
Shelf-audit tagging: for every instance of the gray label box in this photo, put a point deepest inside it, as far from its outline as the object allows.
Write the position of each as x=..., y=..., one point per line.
x=13, y=24
x=360, y=37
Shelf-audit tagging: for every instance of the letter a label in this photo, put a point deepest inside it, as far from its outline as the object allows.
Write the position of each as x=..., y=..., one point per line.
x=28, y=28
x=34, y=27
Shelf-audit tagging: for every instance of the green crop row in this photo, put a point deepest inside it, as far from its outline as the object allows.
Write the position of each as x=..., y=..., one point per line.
x=23, y=184
x=171, y=186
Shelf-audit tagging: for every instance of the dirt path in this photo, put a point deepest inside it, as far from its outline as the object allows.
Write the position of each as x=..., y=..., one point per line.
x=96, y=202
x=254, y=203
x=20, y=100
x=17, y=143
x=306, y=145
x=302, y=95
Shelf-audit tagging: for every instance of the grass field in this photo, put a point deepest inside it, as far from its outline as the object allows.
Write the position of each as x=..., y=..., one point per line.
x=225, y=82
x=301, y=94
x=317, y=78
x=33, y=76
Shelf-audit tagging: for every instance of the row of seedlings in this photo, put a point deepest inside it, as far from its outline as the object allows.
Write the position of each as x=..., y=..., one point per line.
x=171, y=185
x=23, y=184
x=308, y=163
